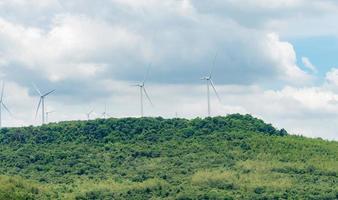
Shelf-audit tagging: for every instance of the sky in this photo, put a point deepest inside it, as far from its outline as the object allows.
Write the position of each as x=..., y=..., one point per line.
x=276, y=60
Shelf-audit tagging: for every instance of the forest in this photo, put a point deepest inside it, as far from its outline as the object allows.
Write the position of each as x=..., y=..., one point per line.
x=231, y=157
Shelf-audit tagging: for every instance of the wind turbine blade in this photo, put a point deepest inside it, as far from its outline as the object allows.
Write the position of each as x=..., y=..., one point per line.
x=2, y=91
x=146, y=93
x=213, y=87
x=6, y=108
x=213, y=64
x=37, y=89
x=146, y=74
x=37, y=109
x=48, y=93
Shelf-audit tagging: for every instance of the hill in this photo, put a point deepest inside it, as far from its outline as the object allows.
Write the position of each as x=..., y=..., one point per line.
x=232, y=157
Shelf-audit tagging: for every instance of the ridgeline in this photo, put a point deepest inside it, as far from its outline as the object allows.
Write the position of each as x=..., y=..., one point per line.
x=232, y=157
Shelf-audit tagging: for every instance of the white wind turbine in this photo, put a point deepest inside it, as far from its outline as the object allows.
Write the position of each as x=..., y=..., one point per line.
x=47, y=115
x=41, y=103
x=89, y=113
x=143, y=91
x=2, y=104
x=209, y=82
x=105, y=114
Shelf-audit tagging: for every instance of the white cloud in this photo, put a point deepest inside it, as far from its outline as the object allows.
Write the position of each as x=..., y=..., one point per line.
x=79, y=47
x=332, y=77
x=266, y=4
x=307, y=63
x=71, y=49
x=285, y=57
x=308, y=99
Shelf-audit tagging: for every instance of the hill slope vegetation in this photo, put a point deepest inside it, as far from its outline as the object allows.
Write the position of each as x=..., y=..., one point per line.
x=233, y=157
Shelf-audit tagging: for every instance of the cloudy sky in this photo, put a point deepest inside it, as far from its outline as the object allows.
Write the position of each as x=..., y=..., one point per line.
x=276, y=60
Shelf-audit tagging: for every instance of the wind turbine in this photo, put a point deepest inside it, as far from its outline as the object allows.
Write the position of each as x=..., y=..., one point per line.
x=89, y=113
x=143, y=91
x=209, y=82
x=2, y=104
x=104, y=114
x=42, y=103
x=47, y=115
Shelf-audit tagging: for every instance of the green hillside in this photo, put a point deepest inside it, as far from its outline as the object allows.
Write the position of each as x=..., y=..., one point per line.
x=233, y=157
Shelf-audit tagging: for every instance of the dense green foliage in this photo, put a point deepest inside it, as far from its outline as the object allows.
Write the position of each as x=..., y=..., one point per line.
x=233, y=157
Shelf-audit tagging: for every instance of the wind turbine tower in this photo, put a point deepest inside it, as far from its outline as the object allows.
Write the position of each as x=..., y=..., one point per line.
x=89, y=113
x=42, y=103
x=2, y=104
x=47, y=115
x=105, y=114
x=143, y=92
x=209, y=82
